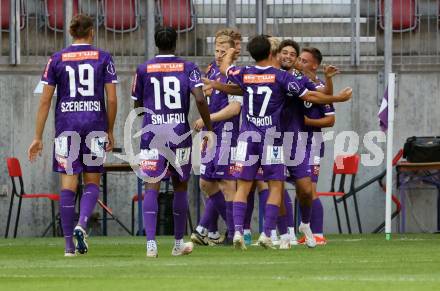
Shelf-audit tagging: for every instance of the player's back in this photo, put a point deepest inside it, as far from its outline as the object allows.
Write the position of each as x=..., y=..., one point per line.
x=164, y=85
x=80, y=72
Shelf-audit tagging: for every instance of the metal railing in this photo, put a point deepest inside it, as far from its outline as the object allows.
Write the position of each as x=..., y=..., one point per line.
x=348, y=32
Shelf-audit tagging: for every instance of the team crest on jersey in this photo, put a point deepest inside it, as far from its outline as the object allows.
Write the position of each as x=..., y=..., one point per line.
x=293, y=87
x=194, y=76
x=111, y=68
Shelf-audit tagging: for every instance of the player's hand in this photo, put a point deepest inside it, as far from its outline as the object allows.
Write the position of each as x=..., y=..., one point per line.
x=198, y=124
x=35, y=149
x=110, y=142
x=207, y=90
x=345, y=94
x=330, y=71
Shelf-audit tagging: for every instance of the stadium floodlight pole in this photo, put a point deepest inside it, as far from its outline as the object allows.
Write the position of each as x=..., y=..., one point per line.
x=390, y=82
x=68, y=12
x=230, y=17
x=150, y=29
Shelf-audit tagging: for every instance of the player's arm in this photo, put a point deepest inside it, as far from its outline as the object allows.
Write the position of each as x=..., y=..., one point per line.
x=112, y=108
x=231, y=110
x=327, y=121
x=317, y=97
x=36, y=146
x=231, y=89
x=329, y=71
x=202, y=106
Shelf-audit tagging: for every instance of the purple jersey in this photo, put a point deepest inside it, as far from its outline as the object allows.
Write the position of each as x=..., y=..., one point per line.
x=265, y=91
x=164, y=85
x=80, y=72
x=316, y=111
x=219, y=100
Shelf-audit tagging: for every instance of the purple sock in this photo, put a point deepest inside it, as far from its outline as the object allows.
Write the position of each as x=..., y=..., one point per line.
x=230, y=219
x=180, y=211
x=306, y=213
x=208, y=213
x=219, y=203
x=289, y=209
x=150, y=208
x=282, y=224
x=270, y=218
x=213, y=225
x=67, y=212
x=317, y=221
x=88, y=203
x=239, y=209
x=249, y=210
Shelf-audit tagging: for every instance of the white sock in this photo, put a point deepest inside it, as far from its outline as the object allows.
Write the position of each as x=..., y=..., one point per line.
x=246, y=231
x=291, y=232
x=201, y=230
x=273, y=234
x=285, y=236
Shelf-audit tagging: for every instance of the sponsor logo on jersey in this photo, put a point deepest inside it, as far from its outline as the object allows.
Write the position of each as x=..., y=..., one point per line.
x=165, y=67
x=80, y=56
x=258, y=78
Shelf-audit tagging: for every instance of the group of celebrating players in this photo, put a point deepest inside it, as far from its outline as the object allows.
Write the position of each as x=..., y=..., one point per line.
x=261, y=122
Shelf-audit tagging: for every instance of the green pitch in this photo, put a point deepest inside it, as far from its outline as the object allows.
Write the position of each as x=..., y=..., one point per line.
x=407, y=262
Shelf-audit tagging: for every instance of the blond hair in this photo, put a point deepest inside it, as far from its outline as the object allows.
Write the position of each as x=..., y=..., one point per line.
x=274, y=45
x=225, y=39
x=231, y=32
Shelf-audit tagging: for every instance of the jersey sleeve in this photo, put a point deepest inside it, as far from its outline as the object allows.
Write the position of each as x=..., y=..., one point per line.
x=194, y=76
x=137, y=85
x=235, y=75
x=49, y=74
x=327, y=109
x=110, y=70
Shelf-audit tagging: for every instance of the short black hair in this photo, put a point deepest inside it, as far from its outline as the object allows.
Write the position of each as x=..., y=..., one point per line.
x=259, y=47
x=290, y=42
x=316, y=53
x=165, y=38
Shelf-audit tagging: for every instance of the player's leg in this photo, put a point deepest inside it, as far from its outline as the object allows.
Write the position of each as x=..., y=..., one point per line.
x=210, y=189
x=288, y=203
x=150, y=208
x=86, y=206
x=229, y=187
x=272, y=209
x=69, y=184
x=239, y=211
x=305, y=199
x=180, y=212
x=317, y=220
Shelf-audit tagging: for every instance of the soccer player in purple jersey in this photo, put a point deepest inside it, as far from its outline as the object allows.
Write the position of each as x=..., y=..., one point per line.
x=80, y=73
x=216, y=179
x=162, y=86
x=265, y=91
x=317, y=116
x=301, y=174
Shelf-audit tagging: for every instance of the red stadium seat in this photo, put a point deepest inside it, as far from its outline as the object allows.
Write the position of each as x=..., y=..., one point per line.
x=344, y=166
x=14, y=171
x=6, y=13
x=405, y=15
x=55, y=13
x=181, y=19
x=121, y=15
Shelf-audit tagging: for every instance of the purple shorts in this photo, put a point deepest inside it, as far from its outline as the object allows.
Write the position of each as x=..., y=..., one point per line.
x=155, y=164
x=77, y=153
x=221, y=166
x=301, y=170
x=269, y=158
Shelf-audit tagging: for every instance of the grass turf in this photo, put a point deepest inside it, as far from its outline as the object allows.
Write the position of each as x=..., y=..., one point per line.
x=357, y=262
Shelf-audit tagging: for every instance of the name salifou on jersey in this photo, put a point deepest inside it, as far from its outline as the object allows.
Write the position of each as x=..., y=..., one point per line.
x=169, y=118
x=80, y=106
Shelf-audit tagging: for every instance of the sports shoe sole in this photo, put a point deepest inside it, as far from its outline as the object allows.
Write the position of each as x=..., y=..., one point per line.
x=81, y=244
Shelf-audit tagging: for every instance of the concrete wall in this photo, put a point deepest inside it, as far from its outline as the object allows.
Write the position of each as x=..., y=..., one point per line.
x=416, y=114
